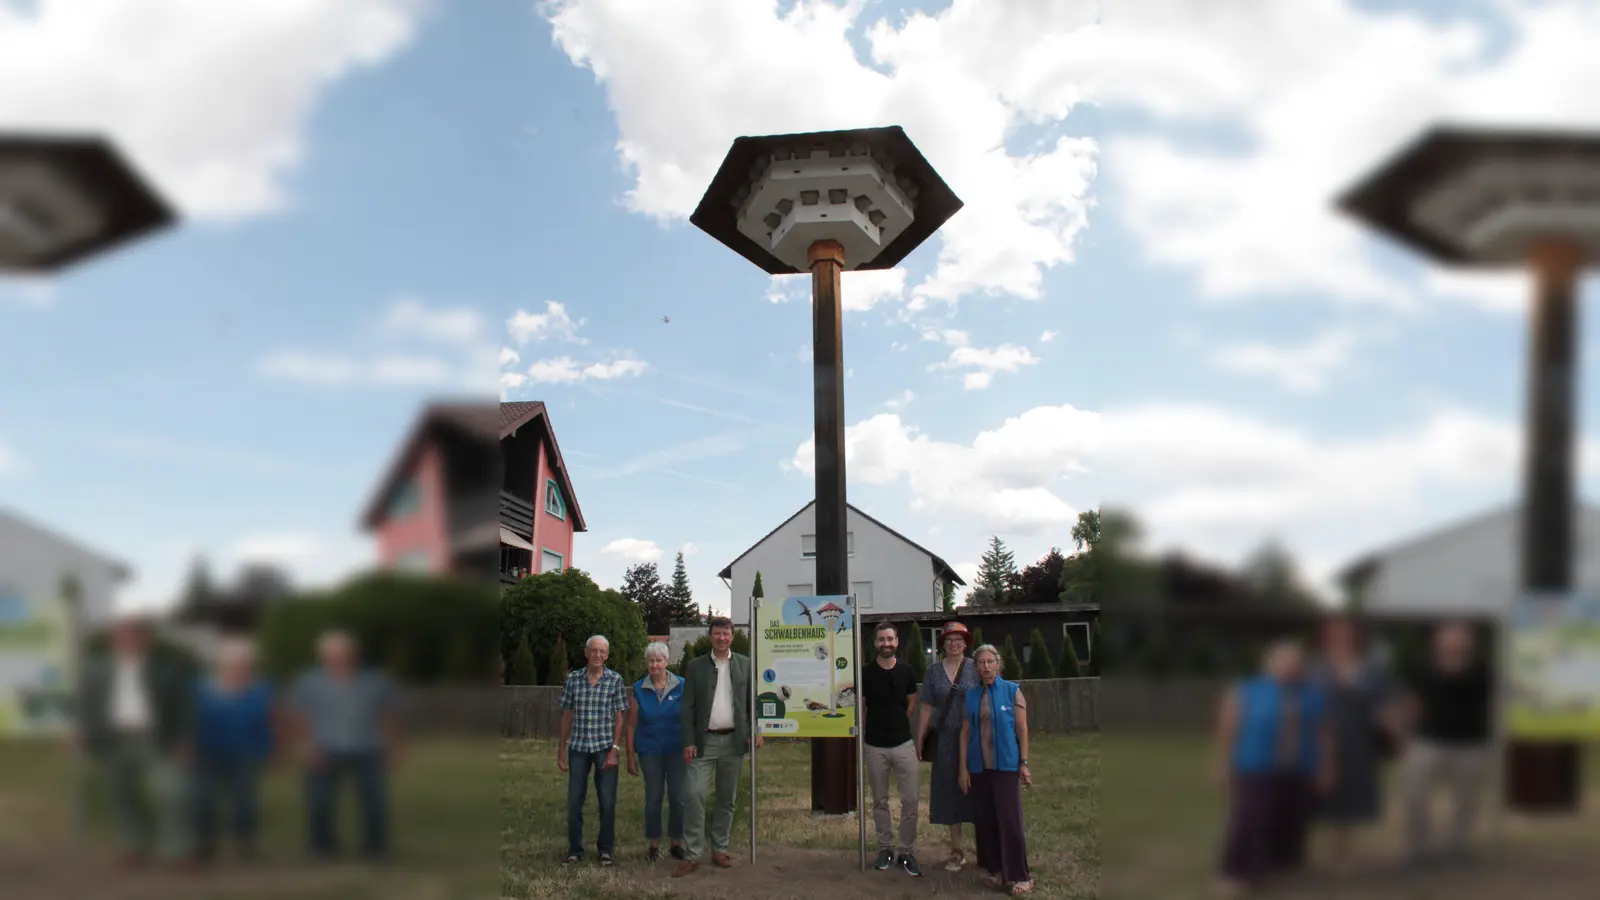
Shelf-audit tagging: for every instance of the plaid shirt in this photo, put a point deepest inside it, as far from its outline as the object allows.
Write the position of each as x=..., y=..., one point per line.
x=594, y=709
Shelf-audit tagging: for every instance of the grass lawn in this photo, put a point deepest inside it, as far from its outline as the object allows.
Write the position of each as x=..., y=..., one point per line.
x=798, y=854
x=444, y=793
x=1162, y=824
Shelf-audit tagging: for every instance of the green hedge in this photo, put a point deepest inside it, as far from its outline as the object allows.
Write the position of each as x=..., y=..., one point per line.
x=421, y=628
x=569, y=605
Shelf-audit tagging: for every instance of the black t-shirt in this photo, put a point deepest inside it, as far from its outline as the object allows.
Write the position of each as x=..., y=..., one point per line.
x=1455, y=706
x=885, y=692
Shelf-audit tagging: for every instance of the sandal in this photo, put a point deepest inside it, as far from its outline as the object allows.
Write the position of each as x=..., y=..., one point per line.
x=955, y=860
x=994, y=882
x=605, y=859
x=571, y=859
x=1022, y=887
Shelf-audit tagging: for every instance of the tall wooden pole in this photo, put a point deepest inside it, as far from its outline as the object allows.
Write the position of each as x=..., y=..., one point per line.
x=833, y=777
x=1545, y=776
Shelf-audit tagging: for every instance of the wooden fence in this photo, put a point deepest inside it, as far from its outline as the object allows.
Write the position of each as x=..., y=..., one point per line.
x=1055, y=706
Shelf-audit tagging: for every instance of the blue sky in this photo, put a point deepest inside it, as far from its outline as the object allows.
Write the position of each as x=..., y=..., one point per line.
x=1147, y=300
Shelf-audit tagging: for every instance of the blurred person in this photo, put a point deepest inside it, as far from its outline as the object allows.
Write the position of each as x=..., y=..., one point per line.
x=1275, y=751
x=655, y=745
x=348, y=727
x=593, y=701
x=889, y=695
x=234, y=740
x=944, y=688
x=994, y=770
x=1363, y=712
x=137, y=722
x=715, y=721
x=1449, y=708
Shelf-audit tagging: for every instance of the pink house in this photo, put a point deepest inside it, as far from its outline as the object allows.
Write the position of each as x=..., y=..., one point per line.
x=472, y=495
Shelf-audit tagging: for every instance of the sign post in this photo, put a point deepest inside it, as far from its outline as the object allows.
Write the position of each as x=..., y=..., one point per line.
x=804, y=650
x=755, y=666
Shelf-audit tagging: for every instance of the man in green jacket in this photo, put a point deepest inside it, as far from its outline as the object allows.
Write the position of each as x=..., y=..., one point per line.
x=136, y=720
x=715, y=715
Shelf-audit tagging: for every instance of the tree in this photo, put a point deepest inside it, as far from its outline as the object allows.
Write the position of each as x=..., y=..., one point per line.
x=977, y=639
x=916, y=653
x=1039, y=663
x=1068, y=666
x=1273, y=575
x=1041, y=582
x=1098, y=649
x=569, y=604
x=1010, y=665
x=521, y=669
x=681, y=608
x=741, y=642
x=464, y=660
x=641, y=584
x=998, y=564
x=201, y=588
x=949, y=596
x=558, y=664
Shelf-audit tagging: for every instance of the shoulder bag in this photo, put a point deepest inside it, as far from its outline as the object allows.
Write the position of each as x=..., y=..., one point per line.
x=930, y=740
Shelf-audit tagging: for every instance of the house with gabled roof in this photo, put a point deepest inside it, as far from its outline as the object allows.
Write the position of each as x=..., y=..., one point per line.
x=477, y=488
x=889, y=573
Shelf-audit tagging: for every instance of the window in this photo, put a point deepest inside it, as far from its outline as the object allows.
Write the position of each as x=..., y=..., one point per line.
x=1078, y=633
x=553, y=504
x=799, y=590
x=808, y=545
x=551, y=561
x=414, y=561
x=863, y=594
x=1027, y=653
x=407, y=499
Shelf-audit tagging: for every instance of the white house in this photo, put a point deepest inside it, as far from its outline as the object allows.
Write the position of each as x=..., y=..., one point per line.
x=36, y=624
x=888, y=572
x=1470, y=568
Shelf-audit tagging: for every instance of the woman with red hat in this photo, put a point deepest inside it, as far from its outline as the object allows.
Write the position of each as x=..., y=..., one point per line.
x=942, y=705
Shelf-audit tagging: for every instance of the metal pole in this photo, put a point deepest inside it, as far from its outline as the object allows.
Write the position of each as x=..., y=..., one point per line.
x=826, y=259
x=1549, y=498
x=755, y=725
x=855, y=672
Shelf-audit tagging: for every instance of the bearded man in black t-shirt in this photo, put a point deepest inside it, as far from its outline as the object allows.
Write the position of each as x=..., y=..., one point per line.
x=1450, y=703
x=889, y=694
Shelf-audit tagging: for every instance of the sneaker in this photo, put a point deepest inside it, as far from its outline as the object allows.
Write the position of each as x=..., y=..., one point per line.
x=957, y=859
x=909, y=864
x=885, y=860
x=676, y=851
x=653, y=854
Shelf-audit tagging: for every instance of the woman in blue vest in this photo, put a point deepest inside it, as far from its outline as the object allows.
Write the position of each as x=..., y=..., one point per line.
x=236, y=724
x=655, y=744
x=994, y=770
x=1275, y=752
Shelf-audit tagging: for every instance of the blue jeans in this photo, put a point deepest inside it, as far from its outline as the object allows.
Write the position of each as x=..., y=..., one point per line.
x=579, y=765
x=322, y=784
x=663, y=775
x=233, y=782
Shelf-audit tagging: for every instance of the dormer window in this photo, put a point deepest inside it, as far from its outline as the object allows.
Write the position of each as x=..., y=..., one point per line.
x=406, y=501
x=553, y=504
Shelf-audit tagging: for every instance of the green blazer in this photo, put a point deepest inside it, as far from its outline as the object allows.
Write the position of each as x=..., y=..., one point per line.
x=695, y=711
x=170, y=687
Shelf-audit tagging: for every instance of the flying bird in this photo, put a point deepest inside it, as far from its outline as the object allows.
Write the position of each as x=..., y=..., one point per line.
x=667, y=319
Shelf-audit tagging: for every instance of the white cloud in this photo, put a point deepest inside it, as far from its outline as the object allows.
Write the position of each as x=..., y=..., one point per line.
x=632, y=550
x=689, y=549
x=28, y=292
x=861, y=290
x=509, y=357
x=1008, y=477
x=948, y=336
x=386, y=359
x=411, y=317
x=1303, y=368
x=10, y=464
x=1317, y=92
x=210, y=100
x=554, y=322
x=901, y=400
x=310, y=558
x=985, y=362
x=280, y=549
x=684, y=80
x=564, y=370
x=1047, y=337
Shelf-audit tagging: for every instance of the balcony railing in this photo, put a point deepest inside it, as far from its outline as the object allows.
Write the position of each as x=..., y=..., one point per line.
x=516, y=514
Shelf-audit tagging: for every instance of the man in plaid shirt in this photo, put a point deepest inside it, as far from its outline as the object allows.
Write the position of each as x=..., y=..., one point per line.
x=592, y=705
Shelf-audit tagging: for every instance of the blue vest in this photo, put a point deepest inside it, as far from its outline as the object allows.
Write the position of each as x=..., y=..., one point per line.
x=1003, y=718
x=659, y=732
x=1255, y=745
x=234, y=727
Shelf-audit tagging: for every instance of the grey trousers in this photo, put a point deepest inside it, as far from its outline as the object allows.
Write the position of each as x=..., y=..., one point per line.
x=149, y=799
x=1462, y=770
x=901, y=764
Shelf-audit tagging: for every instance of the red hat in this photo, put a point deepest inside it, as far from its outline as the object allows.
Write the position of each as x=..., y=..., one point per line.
x=956, y=628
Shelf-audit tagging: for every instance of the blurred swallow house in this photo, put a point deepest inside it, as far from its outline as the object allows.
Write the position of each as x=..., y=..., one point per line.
x=477, y=488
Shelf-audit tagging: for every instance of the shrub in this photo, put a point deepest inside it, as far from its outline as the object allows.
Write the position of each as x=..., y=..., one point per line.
x=1068, y=666
x=1039, y=663
x=916, y=655
x=521, y=669
x=569, y=606
x=1010, y=666
x=557, y=665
